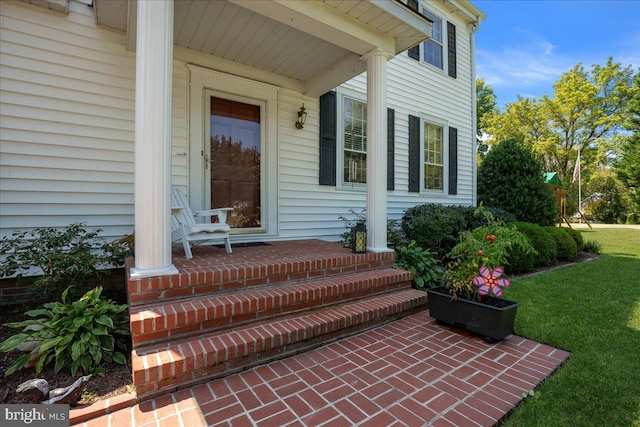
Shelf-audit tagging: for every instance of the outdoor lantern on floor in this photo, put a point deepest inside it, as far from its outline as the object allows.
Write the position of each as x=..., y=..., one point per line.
x=359, y=238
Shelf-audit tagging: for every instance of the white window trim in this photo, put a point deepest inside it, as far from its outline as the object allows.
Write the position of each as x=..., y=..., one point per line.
x=343, y=93
x=443, y=29
x=427, y=119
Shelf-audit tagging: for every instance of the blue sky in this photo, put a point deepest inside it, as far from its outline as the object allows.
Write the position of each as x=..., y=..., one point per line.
x=524, y=46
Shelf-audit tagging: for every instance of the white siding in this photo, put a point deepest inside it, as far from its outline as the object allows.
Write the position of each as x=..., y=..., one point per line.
x=67, y=93
x=309, y=209
x=67, y=129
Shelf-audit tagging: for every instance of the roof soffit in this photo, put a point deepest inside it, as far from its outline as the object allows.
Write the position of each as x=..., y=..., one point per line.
x=311, y=46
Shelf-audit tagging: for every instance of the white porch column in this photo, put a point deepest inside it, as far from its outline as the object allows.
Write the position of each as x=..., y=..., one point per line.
x=154, y=57
x=377, y=150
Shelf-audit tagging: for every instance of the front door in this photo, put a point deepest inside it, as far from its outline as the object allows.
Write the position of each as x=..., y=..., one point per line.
x=235, y=146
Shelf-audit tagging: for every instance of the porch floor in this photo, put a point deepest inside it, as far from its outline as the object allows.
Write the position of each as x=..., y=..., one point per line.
x=405, y=373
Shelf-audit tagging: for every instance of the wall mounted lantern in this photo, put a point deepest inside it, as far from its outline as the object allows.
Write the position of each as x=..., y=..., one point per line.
x=302, y=117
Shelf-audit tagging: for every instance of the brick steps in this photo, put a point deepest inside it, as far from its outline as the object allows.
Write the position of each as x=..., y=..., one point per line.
x=161, y=322
x=231, y=276
x=226, y=312
x=166, y=367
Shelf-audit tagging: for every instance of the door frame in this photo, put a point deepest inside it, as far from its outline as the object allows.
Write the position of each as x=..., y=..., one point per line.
x=204, y=83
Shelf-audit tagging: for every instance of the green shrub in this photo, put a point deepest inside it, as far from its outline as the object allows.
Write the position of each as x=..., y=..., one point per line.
x=346, y=238
x=86, y=334
x=434, y=227
x=519, y=256
x=437, y=227
x=577, y=237
x=511, y=178
x=426, y=271
x=519, y=261
x=66, y=257
x=592, y=246
x=395, y=235
x=475, y=220
x=543, y=242
x=566, y=246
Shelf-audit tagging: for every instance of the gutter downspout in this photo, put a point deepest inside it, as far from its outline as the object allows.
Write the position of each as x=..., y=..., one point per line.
x=474, y=113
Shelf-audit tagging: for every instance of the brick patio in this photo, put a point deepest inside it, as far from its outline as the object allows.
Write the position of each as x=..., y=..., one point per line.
x=410, y=372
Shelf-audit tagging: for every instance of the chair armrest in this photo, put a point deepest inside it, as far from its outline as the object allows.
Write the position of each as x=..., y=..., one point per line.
x=176, y=212
x=221, y=213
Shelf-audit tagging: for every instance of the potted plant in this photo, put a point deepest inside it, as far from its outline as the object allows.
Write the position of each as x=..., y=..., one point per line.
x=470, y=296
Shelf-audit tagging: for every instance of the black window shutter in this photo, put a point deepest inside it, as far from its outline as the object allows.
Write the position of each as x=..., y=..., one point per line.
x=451, y=44
x=453, y=160
x=414, y=52
x=391, y=132
x=414, y=154
x=328, y=131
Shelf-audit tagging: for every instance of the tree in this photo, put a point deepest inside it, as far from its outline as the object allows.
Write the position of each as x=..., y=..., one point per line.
x=485, y=108
x=511, y=178
x=610, y=206
x=586, y=110
x=627, y=168
x=524, y=120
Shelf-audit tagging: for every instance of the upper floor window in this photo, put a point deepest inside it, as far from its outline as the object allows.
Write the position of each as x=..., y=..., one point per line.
x=432, y=50
x=433, y=46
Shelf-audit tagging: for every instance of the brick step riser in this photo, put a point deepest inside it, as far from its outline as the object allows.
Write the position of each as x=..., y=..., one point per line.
x=147, y=290
x=188, y=318
x=202, y=362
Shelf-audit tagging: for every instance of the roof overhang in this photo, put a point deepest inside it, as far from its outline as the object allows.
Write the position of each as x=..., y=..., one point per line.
x=310, y=46
x=55, y=5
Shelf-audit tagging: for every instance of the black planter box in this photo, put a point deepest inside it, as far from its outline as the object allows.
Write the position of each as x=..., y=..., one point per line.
x=493, y=321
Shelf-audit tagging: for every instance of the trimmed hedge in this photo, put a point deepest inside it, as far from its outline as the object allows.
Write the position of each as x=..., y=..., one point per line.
x=519, y=259
x=512, y=177
x=577, y=237
x=567, y=248
x=543, y=242
x=436, y=227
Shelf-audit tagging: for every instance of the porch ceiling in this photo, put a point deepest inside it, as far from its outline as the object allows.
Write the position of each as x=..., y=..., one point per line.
x=310, y=46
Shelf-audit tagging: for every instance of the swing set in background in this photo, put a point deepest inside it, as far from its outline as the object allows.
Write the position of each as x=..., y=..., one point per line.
x=553, y=180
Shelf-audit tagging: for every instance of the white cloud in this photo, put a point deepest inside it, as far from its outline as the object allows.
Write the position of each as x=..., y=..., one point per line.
x=527, y=62
x=628, y=51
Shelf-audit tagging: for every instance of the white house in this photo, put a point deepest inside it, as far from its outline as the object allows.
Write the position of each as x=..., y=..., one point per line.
x=105, y=104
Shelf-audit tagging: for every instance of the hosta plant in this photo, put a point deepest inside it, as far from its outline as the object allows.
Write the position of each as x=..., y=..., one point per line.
x=422, y=263
x=85, y=335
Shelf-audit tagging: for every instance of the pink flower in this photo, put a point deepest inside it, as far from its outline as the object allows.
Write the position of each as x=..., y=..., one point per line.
x=489, y=280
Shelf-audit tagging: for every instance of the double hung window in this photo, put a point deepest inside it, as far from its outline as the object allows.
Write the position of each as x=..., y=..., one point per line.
x=432, y=51
x=354, y=136
x=433, y=158
x=433, y=46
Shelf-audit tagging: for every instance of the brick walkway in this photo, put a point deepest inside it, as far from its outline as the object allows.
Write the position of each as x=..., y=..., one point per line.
x=411, y=372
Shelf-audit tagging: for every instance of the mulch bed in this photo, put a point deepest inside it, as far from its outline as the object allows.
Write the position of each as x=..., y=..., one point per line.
x=100, y=386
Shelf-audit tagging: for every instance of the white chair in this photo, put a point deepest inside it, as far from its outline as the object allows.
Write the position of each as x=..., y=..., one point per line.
x=185, y=228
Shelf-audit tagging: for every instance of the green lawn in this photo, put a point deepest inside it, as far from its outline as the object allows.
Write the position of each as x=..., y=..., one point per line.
x=593, y=311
